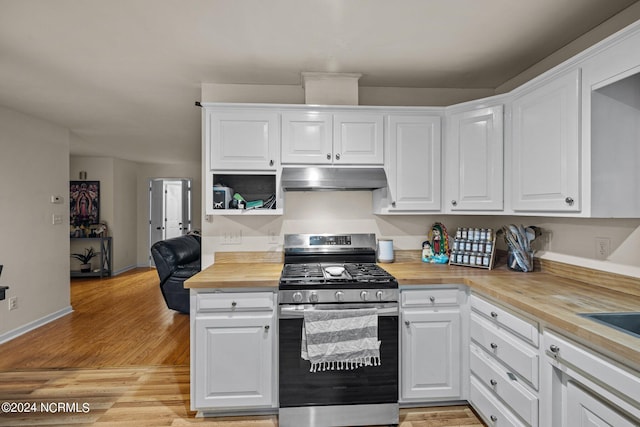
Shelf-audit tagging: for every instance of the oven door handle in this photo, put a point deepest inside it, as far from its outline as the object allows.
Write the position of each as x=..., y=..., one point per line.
x=297, y=311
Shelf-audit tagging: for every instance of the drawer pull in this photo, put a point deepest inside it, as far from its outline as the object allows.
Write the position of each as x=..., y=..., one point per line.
x=432, y=299
x=233, y=303
x=493, y=418
x=554, y=349
x=494, y=314
x=494, y=345
x=493, y=382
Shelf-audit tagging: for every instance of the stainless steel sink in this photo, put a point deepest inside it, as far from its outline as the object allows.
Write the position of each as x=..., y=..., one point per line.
x=628, y=322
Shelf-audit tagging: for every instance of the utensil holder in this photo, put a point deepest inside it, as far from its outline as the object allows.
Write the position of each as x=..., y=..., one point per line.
x=512, y=264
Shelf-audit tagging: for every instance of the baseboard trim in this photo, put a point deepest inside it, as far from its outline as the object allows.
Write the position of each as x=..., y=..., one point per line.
x=8, y=336
x=125, y=269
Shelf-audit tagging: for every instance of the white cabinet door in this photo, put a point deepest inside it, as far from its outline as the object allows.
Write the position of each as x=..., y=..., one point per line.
x=545, y=155
x=307, y=137
x=242, y=140
x=586, y=410
x=430, y=355
x=358, y=138
x=414, y=162
x=233, y=361
x=475, y=160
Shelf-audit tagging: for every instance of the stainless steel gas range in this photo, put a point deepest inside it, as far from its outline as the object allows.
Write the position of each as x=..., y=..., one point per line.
x=336, y=277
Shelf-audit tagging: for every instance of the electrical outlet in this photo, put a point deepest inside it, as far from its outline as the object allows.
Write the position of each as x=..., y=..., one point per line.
x=13, y=303
x=603, y=247
x=56, y=219
x=232, y=237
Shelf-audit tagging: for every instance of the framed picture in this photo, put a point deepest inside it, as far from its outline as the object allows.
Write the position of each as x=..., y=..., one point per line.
x=84, y=202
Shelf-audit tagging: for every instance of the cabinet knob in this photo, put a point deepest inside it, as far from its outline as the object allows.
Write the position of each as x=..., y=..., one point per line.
x=494, y=345
x=393, y=204
x=454, y=202
x=432, y=299
x=494, y=314
x=554, y=349
x=270, y=162
x=233, y=304
x=406, y=322
x=569, y=201
x=493, y=382
x=266, y=327
x=493, y=418
x=328, y=156
x=338, y=156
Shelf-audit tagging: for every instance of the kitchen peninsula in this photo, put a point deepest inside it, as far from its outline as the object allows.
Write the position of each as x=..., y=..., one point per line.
x=548, y=301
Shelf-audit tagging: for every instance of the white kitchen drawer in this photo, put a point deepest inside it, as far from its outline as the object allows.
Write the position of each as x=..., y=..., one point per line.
x=526, y=330
x=232, y=302
x=493, y=412
x=519, y=357
x=429, y=297
x=613, y=377
x=495, y=377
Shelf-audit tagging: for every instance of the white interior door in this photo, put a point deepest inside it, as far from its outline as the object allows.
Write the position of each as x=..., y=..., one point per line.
x=173, y=211
x=169, y=209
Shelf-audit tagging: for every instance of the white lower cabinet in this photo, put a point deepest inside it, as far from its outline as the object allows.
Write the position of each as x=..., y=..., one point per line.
x=431, y=367
x=585, y=389
x=504, y=365
x=232, y=345
x=492, y=410
x=586, y=410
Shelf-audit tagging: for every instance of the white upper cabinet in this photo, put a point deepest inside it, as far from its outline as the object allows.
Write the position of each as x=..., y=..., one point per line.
x=307, y=137
x=358, y=138
x=338, y=138
x=413, y=168
x=545, y=147
x=242, y=140
x=474, y=160
x=610, y=131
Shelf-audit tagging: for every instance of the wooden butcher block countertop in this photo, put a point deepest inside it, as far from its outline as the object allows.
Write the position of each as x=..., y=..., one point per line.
x=553, y=296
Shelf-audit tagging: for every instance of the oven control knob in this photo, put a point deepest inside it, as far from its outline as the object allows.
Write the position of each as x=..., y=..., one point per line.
x=364, y=295
x=340, y=296
x=297, y=297
x=313, y=297
x=379, y=295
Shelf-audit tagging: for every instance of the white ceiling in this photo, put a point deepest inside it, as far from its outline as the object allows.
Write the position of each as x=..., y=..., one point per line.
x=123, y=75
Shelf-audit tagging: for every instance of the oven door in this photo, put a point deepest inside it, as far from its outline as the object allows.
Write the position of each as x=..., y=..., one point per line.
x=364, y=385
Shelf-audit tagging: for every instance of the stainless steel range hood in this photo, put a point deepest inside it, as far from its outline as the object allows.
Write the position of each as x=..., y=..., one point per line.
x=332, y=179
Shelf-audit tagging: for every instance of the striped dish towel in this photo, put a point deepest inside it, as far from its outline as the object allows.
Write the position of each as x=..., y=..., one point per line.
x=340, y=339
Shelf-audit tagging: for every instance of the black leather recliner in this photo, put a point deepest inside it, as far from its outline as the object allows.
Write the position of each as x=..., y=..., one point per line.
x=176, y=260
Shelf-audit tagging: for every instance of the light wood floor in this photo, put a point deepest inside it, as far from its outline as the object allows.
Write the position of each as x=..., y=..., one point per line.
x=122, y=358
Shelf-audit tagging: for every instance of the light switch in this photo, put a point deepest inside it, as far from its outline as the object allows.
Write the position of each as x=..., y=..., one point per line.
x=57, y=200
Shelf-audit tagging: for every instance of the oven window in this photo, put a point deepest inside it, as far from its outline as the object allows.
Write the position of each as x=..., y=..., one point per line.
x=370, y=384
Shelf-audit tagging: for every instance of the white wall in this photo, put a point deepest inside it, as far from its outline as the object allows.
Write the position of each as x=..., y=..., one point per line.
x=34, y=165
x=118, y=206
x=125, y=211
x=626, y=17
